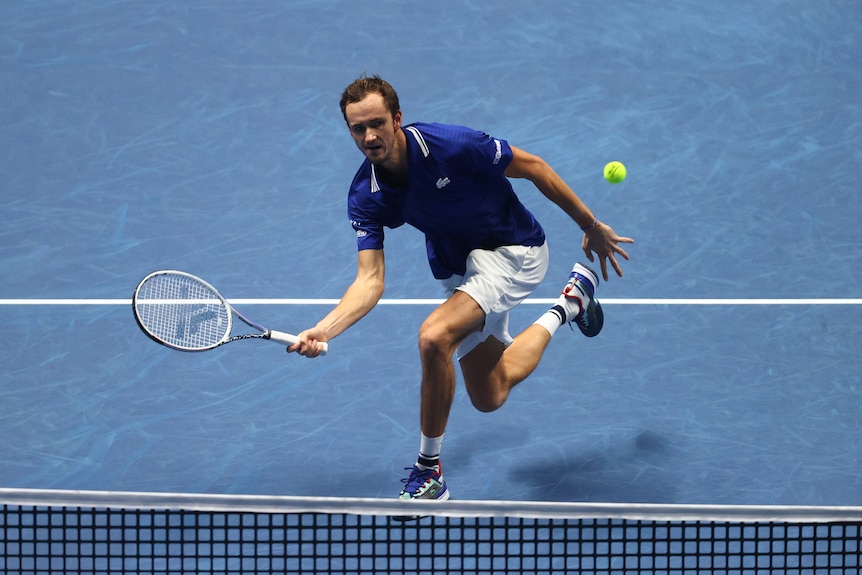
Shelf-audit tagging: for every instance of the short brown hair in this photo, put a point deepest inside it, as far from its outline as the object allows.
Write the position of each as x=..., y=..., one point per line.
x=364, y=85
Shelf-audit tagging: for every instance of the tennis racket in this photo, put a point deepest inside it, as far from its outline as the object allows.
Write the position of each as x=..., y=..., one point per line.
x=184, y=312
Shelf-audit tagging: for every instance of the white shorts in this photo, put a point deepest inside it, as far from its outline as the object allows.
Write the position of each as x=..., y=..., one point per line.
x=498, y=280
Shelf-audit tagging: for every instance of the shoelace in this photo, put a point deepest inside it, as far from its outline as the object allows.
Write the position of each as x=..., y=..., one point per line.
x=417, y=478
x=581, y=318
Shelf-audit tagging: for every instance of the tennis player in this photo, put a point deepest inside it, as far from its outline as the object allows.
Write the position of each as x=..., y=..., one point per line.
x=489, y=252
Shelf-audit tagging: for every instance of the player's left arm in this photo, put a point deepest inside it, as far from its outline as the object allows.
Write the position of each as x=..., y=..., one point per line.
x=599, y=238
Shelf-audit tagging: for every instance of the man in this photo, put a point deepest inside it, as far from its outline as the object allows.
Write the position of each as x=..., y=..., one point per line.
x=489, y=251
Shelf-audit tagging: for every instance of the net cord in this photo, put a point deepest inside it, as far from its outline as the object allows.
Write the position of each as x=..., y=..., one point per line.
x=451, y=508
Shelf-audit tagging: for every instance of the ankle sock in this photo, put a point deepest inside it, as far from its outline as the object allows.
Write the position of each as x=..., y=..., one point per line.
x=556, y=316
x=552, y=319
x=429, y=451
x=572, y=306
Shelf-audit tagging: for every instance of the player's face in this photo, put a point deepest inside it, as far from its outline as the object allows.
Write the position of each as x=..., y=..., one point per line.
x=373, y=128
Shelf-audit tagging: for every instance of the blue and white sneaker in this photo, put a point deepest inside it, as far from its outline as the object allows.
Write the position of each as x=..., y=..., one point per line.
x=581, y=289
x=424, y=484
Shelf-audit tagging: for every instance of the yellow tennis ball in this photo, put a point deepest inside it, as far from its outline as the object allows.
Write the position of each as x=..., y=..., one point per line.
x=615, y=172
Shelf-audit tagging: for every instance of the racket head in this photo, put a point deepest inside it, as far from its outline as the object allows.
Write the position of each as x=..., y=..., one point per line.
x=182, y=311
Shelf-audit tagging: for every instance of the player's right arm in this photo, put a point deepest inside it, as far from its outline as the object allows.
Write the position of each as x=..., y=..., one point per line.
x=360, y=298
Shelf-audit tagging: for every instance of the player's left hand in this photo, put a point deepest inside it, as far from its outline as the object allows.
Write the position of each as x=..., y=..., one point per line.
x=603, y=241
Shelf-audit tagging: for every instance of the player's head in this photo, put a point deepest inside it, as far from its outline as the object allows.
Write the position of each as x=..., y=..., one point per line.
x=364, y=85
x=370, y=108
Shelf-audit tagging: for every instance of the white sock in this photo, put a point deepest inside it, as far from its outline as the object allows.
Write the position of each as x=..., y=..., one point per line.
x=556, y=316
x=429, y=451
x=550, y=320
x=571, y=305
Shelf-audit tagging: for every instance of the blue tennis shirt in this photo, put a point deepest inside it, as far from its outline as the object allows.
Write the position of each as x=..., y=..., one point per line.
x=457, y=195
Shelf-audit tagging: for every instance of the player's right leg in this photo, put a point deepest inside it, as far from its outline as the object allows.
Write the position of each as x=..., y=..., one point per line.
x=441, y=333
x=477, y=307
x=439, y=336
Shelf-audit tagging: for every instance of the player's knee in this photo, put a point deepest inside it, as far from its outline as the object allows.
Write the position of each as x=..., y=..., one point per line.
x=434, y=341
x=487, y=401
x=485, y=396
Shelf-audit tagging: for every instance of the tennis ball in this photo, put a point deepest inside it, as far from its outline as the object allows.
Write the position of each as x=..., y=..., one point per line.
x=615, y=172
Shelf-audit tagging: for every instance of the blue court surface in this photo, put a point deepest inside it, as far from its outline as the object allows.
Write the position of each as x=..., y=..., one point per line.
x=206, y=136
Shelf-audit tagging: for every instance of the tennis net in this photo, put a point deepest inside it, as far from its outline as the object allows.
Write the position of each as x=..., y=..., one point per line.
x=55, y=531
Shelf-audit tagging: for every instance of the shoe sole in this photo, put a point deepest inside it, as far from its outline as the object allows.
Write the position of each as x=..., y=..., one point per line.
x=403, y=518
x=600, y=320
x=600, y=316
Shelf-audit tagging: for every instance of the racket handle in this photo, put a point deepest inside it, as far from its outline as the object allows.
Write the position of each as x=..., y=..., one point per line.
x=290, y=339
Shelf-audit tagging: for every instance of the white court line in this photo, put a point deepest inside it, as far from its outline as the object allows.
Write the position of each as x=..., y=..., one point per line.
x=529, y=301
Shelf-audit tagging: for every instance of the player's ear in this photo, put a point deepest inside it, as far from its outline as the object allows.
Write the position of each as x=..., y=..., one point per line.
x=396, y=120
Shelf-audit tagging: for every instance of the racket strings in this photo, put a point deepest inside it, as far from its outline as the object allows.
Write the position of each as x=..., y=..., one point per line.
x=182, y=312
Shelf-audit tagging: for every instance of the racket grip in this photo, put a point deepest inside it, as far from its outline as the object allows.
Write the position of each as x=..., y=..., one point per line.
x=290, y=339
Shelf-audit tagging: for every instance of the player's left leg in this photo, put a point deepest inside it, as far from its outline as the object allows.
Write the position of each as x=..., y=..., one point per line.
x=492, y=368
x=492, y=362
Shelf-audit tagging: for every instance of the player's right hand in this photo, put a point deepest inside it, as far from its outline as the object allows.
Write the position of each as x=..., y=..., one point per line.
x=307, y=346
